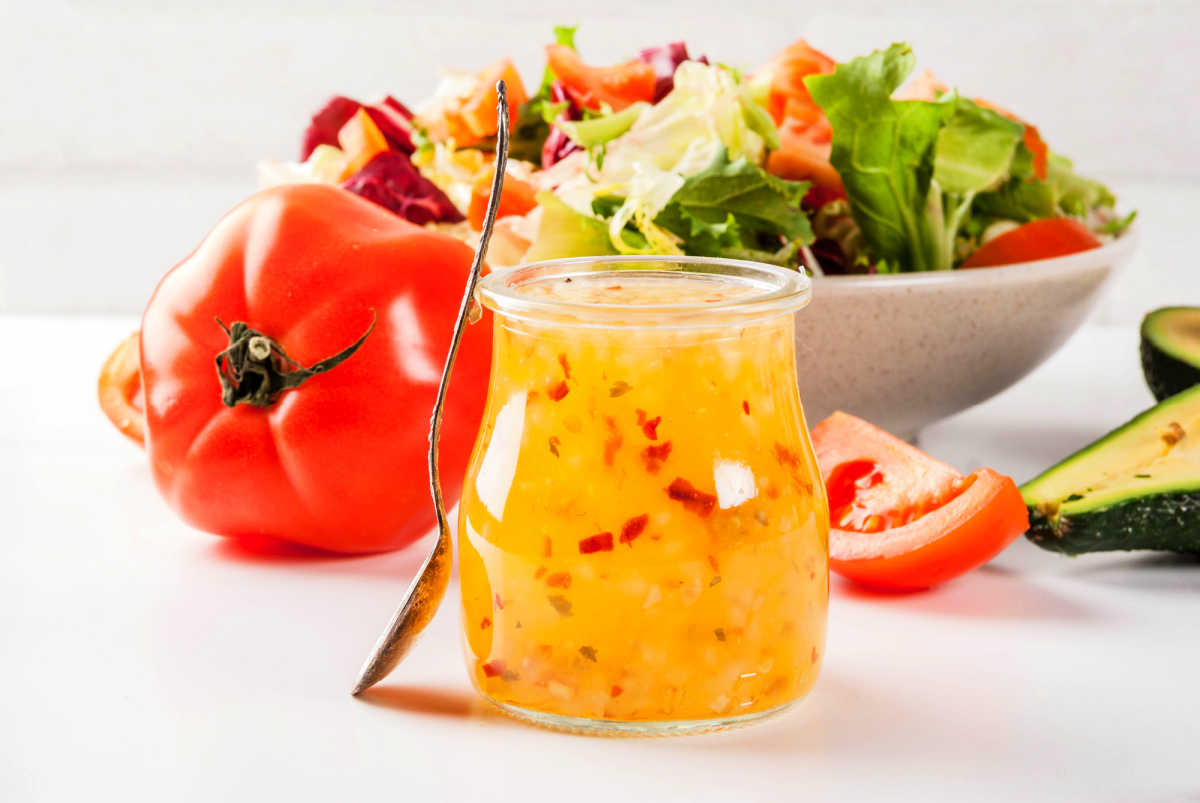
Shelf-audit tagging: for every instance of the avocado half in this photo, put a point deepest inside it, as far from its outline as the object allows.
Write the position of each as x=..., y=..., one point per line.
x=1171, y=350
x=1138, y=487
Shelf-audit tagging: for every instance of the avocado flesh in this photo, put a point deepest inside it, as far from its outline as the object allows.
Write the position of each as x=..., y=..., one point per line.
x=1170, y=349
x=1138, y=487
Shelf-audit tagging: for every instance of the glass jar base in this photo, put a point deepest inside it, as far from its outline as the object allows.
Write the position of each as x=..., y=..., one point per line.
x=633, y=728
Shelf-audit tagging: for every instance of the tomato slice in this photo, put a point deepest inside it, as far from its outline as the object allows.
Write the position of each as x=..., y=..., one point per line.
x=517, y=197
x=805, y=136
x=902, y=520
x=120, y=390
x=478, y=111
x=1039, y=239
x=619, y=86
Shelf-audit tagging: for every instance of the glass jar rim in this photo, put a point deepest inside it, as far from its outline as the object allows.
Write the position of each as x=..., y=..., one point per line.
x=776, y=290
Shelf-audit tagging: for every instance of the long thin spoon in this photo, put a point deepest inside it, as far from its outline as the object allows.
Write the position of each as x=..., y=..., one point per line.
x=425, y=594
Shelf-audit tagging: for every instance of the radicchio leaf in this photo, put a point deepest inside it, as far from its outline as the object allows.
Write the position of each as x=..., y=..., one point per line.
x=558, y=145
x=393, y=182
x=327, y=122
x=391, y=117
x=664, y=60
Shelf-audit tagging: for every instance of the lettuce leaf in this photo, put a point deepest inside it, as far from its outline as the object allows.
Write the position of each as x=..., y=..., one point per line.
x=564, y=232
x=912, y=168
x=884, y=152
x=737, y=209
x=1076, y=195
x=975, y=149
x=531, y=129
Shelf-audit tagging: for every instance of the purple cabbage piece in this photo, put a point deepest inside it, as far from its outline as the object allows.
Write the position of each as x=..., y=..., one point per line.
x=665, y=60
x=558, y=145
x=392, y=181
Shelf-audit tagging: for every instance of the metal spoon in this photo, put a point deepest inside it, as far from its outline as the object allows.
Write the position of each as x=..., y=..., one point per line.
x=429, y=586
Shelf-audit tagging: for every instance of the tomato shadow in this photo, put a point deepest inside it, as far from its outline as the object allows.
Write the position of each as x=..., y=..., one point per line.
x=987, y=593
x=1159, y=571
x=433, y=701
x=272, y=553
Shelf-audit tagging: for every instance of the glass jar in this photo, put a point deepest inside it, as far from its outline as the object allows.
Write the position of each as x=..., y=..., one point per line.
x=643, y=532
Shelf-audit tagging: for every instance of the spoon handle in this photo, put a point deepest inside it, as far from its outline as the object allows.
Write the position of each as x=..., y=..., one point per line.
x=425, y=593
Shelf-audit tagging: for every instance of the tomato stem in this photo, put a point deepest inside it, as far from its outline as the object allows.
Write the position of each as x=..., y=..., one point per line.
x=255, y=369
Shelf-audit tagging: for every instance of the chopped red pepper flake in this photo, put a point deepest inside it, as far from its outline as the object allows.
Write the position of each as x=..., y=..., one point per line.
x=562, y=360
x=600, y=542
x=814, y=655
x=547, y=547
x=613, y=442
x=619, y=388
x=633, y=528
x=787, y=456
x=712, y=561
x=613, y=287
x=693, y=498
x=655, y=455
x=499, y=602
x=650, y=427
x=541, y=570
x=556, y=392
x=494, y=668
x=616, y=691
x=485, y=623
x=772, y=490
x=559, y=580
x=745, y=407
x=554, y=442
x=641, y=416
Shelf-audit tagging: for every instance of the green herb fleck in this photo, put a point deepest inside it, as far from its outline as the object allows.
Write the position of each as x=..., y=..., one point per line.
x=560, y=603
x=588, y=652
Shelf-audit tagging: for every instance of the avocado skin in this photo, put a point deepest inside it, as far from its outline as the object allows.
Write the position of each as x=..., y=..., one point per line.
x=1165, y=522
x=1166, y=375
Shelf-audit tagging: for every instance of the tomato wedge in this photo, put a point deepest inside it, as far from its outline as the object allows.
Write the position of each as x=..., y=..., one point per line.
x=619, y=86
x=902, y=520
x=517, y=197
x=1039, y=239
x=120, y=390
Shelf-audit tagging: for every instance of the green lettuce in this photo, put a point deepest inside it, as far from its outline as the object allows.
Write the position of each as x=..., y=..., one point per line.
x=884, y=151
x=565, y=232
x=532, y=127
x=916, y=172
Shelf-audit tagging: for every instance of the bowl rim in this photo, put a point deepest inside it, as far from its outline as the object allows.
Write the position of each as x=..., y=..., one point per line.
x=1115, y=253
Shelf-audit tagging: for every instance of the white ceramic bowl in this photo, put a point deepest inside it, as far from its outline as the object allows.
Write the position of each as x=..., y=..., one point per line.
x=903, y=351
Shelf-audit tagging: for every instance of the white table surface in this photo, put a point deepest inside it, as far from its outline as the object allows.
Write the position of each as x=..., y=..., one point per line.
x=145, y=661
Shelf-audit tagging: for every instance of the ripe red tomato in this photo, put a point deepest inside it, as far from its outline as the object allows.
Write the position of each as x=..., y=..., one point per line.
x=338, y=462
x=902, y=520
x=1039, y=239
x=620, y=85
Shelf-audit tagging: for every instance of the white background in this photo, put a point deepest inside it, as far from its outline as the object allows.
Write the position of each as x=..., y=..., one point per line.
x=128, y=128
